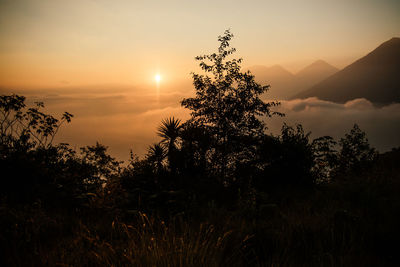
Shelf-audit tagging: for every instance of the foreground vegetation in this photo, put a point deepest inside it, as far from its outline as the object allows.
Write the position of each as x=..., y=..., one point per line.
x=216, y=191
x=350, y=222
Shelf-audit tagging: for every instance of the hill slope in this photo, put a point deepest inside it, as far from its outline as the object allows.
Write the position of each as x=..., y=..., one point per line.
x=314, y=73
x=280, y=80
x=375, y=77
x=285, y=84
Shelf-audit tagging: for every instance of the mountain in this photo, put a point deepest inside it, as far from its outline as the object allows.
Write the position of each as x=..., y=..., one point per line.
x=375, y=77
x=314, y=73
x=281, y=81
x=285, y=84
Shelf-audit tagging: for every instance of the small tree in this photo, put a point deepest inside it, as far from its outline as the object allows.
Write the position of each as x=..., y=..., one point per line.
x=285, y=160
x=297, y=156
x=325, y=158
x=228, y=104
x=28, y=127
x=355, y=150
x=99, y=163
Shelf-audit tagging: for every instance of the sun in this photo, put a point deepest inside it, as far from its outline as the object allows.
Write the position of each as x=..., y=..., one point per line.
x=157, y=78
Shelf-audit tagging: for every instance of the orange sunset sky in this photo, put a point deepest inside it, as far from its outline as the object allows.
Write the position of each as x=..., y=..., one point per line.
x=53, y=43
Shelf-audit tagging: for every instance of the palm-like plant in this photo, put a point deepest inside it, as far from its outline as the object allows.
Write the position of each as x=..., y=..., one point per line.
x=169, y=131
x=156, y=154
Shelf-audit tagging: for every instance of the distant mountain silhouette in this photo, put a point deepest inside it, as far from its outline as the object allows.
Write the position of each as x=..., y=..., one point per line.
x=375, y=77
x=282, y=82
x=285, y=84
x=314, y=73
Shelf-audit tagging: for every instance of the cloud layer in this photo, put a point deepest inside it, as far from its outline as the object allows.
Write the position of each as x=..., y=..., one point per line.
x=381, y=124
x=127, y=119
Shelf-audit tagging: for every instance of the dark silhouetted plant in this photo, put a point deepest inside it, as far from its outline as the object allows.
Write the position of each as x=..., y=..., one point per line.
x=169, y=131
x=156, y=155
x=31, y=127
x=325, y=158
x=355, y=150
x=228, y=105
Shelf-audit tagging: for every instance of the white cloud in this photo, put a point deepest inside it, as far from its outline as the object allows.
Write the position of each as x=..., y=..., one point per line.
x=381, y=124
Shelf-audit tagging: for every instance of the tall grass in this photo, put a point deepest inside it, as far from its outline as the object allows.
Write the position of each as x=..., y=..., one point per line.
x=146, y=241
x=152, y=242
x=297, y=237
x=337, y=225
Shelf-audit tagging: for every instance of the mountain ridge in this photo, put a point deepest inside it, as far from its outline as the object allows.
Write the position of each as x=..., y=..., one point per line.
x=285, y=83
x=376, y=77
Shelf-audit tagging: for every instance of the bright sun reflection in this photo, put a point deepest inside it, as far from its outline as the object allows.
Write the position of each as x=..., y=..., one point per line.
x=157, y=78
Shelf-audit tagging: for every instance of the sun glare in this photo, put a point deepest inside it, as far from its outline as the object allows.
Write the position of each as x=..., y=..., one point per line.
x=157, y=78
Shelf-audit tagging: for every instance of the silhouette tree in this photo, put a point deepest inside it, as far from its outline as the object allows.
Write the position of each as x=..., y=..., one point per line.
x=35, y=169
x=29, y=127
x=325, y=158
x=228, y=104
x=195, y=143
x=297, y=157
x=101, y=165
x=355, y=150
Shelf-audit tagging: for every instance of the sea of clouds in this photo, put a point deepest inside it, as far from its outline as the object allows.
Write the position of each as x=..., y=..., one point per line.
x=125, y=118
x=381, y=124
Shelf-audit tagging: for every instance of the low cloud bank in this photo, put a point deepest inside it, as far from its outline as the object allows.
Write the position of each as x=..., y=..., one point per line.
x=128, y=119
x=381, y=124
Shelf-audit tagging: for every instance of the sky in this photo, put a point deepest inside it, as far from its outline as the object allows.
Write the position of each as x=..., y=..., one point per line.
x=54, y=43
x=98, y=60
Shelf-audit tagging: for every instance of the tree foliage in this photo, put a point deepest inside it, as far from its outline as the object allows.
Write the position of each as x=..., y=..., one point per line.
x=20, y=125
x=228, y=103
x=325, y=158
x=355, y=150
